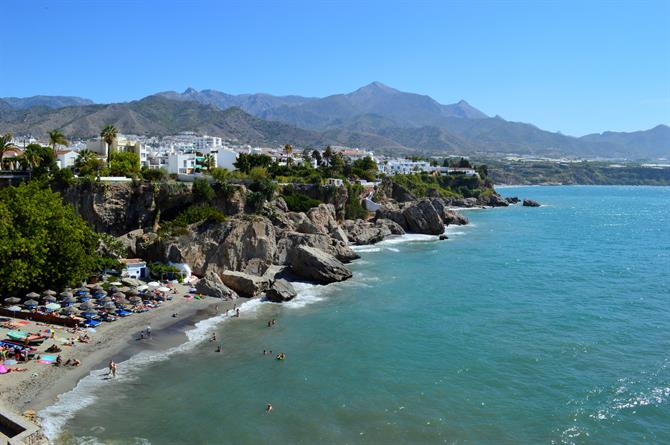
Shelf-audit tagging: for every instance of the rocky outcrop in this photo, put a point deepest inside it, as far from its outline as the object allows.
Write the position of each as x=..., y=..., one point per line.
x=280, y=291
x=317, y=265
x=530, y=203
x=241, y=244
x=393, y=213
x=422, y=217
x=290, y=241
x=464, y=202
x=495, y=200
x=451, y=217
x=245, y=284
x=512, y=199
x=212, y=285
x=390, y=190
x=362, y=232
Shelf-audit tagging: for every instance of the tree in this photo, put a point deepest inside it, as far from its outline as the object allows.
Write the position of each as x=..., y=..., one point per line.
x=209, y=162
x=43, y=242
x=109, y=134
x=316, y=155
x=245, y=162
x=88, y=163
x=56, y=138
x=124, y=163
x=288, y=150
x=5, y=145
x=306, y=157
x=40, y=160
x=328, y=154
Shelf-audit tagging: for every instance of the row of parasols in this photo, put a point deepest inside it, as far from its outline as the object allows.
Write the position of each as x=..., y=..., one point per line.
x=65, y=304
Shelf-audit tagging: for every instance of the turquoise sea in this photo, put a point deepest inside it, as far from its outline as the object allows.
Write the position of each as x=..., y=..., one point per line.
x=541, y=325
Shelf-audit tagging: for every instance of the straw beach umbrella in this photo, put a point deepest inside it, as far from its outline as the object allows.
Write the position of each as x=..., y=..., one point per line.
x=110, y=305
x=66, y=294
x=49, y=292
x=49, y=298
x=30, y=303
x=70, y=310
x=106, y=299
x=68, y=300
x=33, y=295
x=12, y=300
x=119, y=295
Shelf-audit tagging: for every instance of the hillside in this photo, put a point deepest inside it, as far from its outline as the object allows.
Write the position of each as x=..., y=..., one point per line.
x=375, y=116
x=45, y=101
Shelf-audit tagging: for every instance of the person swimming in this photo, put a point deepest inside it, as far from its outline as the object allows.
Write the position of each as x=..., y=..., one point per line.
x=268, y=408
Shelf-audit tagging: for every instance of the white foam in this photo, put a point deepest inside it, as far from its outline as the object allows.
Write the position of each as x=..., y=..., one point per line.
x=54, y=417
x=307, y=294
x=366, y=249
x=407, y=238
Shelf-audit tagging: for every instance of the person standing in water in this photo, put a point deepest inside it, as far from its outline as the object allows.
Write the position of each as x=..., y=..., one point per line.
x=112, y=368
x=268, y=408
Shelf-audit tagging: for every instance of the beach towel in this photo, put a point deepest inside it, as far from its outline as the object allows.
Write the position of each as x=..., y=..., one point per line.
x=46, y=362
x=3, y=370
x=49, y=358
x=22, y=322
x=10, y=361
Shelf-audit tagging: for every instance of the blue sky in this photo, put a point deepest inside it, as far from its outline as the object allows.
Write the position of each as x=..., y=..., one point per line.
x=574, y=67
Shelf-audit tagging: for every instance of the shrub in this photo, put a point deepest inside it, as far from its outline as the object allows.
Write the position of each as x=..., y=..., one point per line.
x=153, y=174
x=353, y=207
x=202, y=191
x=298, y=202
x=124, y=163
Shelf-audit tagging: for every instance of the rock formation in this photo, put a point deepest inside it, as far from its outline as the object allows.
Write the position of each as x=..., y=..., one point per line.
x=530, y=203
x=317, y=265
x=212, y=285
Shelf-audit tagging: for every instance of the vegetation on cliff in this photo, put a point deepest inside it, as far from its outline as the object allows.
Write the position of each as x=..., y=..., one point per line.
x=43, y=242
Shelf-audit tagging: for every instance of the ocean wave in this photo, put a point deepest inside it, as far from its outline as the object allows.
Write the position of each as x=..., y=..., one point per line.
x=407, y=238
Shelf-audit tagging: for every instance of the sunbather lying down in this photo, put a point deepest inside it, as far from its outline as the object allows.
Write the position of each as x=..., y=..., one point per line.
x=72, y=362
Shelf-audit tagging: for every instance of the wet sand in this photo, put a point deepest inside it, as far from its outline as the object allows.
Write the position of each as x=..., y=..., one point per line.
x=40, y=385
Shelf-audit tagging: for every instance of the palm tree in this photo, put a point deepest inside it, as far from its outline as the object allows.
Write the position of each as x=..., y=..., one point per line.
x=288, y=149
x=108, y=134
x=56, y=138
x=5, y=145
x=32, y=157
x=208, y=161
x=328, y=154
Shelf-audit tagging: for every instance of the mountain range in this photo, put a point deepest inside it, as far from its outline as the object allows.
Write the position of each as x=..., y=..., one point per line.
x=375, y=116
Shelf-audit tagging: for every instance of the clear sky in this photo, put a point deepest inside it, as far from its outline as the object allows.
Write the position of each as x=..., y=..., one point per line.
x=575, y=67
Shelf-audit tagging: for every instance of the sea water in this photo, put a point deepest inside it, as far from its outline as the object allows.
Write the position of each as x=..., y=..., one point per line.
x=540, y=325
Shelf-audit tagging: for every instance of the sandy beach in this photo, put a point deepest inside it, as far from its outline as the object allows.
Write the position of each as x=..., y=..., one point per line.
x=40, y=385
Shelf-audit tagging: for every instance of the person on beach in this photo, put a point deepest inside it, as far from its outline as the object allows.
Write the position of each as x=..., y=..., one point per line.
x=269, y=323
x=149, y=331
x=237, y=313
x=59, y=360
x=213, y=337
x=218, y=348
x=112, y=368
x=268, y=408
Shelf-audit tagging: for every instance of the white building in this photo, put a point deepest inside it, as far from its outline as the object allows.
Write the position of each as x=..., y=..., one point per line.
x=208, y=144
x=225, y=158
x=404, y=167
x=181, y=163
x=134, y=268
x=66, y=158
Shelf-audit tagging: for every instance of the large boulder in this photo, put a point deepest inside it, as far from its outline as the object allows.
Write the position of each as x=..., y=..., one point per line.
x=530, y=203
x=496, y=200
x=362, y=232
x=317, y=265
x=512, y=199
x=391, y=226
x=422, y=217
x=451, y=217
x=212, y=285
x=393, y=213
x=290, y=241
x=323, y=217
x=245, y=284
x=280, y=291
x=239, y=244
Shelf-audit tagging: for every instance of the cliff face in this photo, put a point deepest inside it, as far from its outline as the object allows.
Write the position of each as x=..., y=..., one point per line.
x=120, y=208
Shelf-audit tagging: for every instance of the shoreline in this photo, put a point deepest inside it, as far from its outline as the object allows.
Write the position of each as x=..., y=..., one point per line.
x=42, y=385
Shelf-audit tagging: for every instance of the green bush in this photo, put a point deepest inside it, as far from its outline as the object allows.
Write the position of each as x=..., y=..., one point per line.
x=124, y=163
x=202, y=191
x=353, y=207
x=153, y=174
x=297, y=202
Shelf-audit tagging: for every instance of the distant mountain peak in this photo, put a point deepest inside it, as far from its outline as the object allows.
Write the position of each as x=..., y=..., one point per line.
x=378, y=87
x=190, y=90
